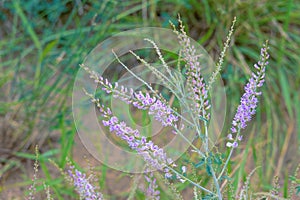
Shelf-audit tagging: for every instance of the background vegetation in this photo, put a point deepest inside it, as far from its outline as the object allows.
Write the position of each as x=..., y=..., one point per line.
x=43, y=42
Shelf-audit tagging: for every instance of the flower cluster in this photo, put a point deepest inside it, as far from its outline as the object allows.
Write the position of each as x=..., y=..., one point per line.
x=157, y=108
x=82, y=185
x=151, y=153
x=163, y=113
x=248, y=102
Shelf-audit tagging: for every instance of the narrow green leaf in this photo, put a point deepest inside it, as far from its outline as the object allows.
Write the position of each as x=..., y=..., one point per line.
x=208, y=170
x=27, y=25
x=285, y=89
x=49, y=47
x=199, y=164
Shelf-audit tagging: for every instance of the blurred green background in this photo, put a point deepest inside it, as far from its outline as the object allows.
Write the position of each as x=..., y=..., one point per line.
x=43, y=42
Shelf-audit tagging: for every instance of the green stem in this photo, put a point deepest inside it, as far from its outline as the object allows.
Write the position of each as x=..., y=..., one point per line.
x=229, y=156
x=216, y=183
x=210, y=165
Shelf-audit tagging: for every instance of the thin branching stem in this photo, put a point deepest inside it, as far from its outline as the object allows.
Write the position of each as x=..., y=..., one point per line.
x=190, y=143
x=190, y=181
x=210, y=164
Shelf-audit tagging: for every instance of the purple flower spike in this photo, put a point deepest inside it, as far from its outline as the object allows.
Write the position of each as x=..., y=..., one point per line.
x=82, y=185
x=248, y=102
x=197, y=85
x=152, y=192
x=158, y=108
x=151, y=153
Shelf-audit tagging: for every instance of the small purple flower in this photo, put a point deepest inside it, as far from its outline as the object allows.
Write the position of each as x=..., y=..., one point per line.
x=240, y=137
x=229, y=137
x=248, y=102
x=233, y=144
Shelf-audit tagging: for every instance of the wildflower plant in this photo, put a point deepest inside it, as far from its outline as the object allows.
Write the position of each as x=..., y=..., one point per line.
x=195, y=101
